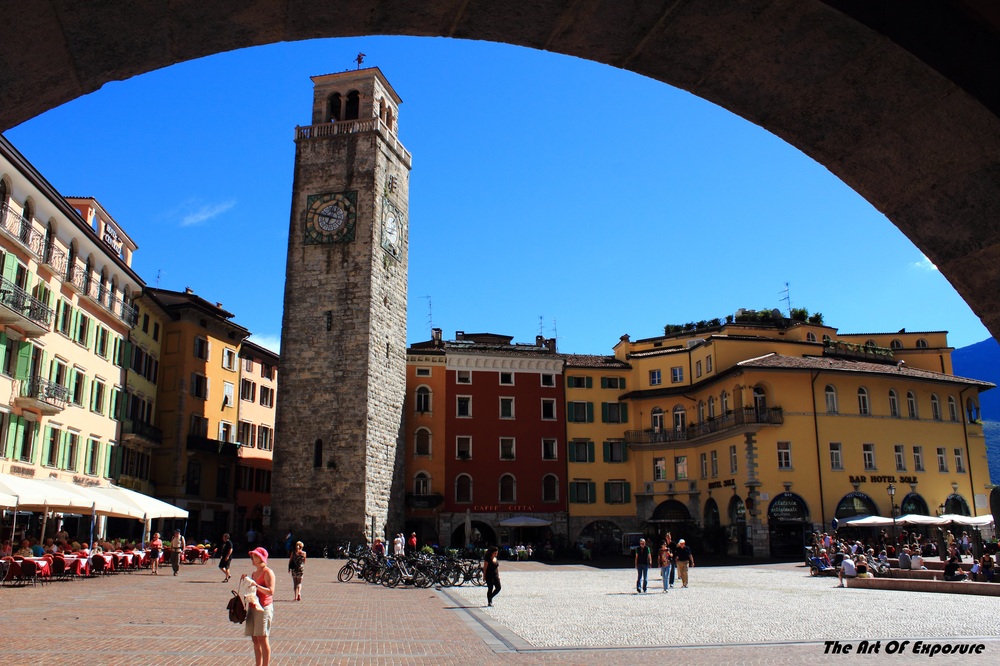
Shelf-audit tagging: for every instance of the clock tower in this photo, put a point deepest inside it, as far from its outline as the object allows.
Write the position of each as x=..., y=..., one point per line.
x=338, y=457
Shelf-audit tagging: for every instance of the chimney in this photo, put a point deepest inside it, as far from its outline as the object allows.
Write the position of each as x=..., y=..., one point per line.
x=436, y=336
x=551, y=345
x=539, y=340
x=459, y=335
x=188, y=290
x=218, y=305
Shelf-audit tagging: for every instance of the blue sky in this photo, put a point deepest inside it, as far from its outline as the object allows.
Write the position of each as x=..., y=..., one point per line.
x=548, y=194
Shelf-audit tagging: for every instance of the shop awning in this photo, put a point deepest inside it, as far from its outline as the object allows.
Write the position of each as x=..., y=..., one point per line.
x=524, y=521
x=150, y=507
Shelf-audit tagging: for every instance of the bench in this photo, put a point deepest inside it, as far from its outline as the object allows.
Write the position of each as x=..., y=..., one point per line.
x=923, y=585
x=932, y=564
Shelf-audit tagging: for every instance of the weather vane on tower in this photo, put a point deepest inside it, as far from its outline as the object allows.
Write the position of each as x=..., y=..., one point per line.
x=360, y=59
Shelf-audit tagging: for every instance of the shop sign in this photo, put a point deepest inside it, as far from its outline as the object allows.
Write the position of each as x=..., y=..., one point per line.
x=788, y=507
x=491, y=508
x=85, y=481
x=722, y=484
x=17, y=470
x=885, y=478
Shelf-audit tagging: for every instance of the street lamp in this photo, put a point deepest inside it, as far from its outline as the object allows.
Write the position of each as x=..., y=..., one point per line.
x=892, y=507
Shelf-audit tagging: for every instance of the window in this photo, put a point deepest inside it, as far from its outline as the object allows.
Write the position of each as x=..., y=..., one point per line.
x=248, y=390
x=715, y=464
x=613, y=383
x=942, y=459
x=952, y=408
x=863, y=407
x=921, y=344
x=935, y=407
x=266, y=396
x=836, y=460
x=265, y=438
x=506, y=378
x=549, y=450
x=900, y=457
x=711, y=407
x=548, y=379
x=708, y=363
x=831, y=399
x=508, y=488
x=199, y=426
x=659, y=469
x=732, y=459
x=422, y=442
x=582, y=492
x=615, y=452
x=617, y=492
x=911, y=404
x=463, y=377
x=156, y=331
x=97, y=397
x=423, y=372
x=550, y=488
x=918, y=459
x=201, y=348
x=580, y=412
x=506, y=448
x=697, y=369
x=548, y=409
x=680, y=468
x=244, y=433
x=92, y=461
x=868, y=452
x=506, y=408
x=959, y=461
x=64, y=315
x=893, y=404
x=76, y=388
x=228, y=390
x=199, y=386
x=654, y=378
x=9, y=356
x=248, y=364
x=70, y=451
x=810, y=336
x=83, y=329
x=784, y=455
x=676, y=374
x=226, y=432
x=895, y=344
x=463, y=488
x=578, y=382
x=229, y=358
x=463, y=447
x=54, y=439
x=703, y=459
x=581, y=451
x=102, y=342
x=266, y=371
x=724, y=402
x=423, y=400
x=463, y=406
x=614, y=412
x=421, y=484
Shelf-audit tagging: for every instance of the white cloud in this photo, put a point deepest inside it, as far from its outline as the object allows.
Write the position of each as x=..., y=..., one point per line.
x=272, y=342
x=205, y=212
x=925, y=264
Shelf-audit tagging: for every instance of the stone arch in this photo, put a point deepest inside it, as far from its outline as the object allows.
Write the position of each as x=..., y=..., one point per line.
x=855, y=504
x=603, y=537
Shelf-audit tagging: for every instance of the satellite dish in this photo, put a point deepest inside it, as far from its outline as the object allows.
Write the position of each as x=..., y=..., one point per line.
x=776, y=313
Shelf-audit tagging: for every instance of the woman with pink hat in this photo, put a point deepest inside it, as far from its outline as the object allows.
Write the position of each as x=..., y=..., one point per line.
x=260, y=614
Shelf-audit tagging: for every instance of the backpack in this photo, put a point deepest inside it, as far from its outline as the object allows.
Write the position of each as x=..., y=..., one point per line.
x=237, y=611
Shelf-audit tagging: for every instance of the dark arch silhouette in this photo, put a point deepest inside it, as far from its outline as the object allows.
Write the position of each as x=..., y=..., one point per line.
x=899, y=100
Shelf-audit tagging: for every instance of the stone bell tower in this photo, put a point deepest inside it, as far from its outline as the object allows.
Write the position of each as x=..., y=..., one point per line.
x=338, y=448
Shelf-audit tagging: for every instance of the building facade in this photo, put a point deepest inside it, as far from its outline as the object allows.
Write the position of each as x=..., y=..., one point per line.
x=258, y=390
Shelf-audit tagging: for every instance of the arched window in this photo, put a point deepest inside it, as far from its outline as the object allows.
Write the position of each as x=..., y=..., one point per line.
x=935, y=407
x=863, y=407
x=724, y=402
x=870, y=343
x=28, y=213
x=50, y=241
x=680, y=418
x=550, y=488
x=334, y=108
x=318, y=453
x=102, y=287
x=423, y=400
x=895, y=344
x=71, y=262
x=508, y=488
x=921, y=344
x=463, y=488
x=353, y=105
x=656, y=419
x=422, y=442
x=759, y=399
x=893, y=404
x=3, y=193
x=388, y=119
x=831, y=399
x=422, y=484
x=711, y=406
x=87, y=277
x=810, y=336
x=827, y=339
x=911, y=404
x=952, y=408
x=701, y=411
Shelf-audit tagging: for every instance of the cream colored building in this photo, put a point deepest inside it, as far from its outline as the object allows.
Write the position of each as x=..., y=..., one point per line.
x=258, y=390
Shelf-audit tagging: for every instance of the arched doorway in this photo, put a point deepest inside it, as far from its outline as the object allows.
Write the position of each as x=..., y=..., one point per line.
x=604, y=536
x=737, y=535
x=788, y=525
x=670, y=516
x=482, y=535
x=956, y=504
x=855, y=504
x=713, y=534
x=914, y=504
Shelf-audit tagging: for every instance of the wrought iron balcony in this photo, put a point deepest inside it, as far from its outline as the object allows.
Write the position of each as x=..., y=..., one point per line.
x=20, y=229
x=415, y=501
x=740, y=418
x=24, y=310
x=54, y=257
x=76, y=277
x=39, y=393
x=209, y=445
x=143, y=430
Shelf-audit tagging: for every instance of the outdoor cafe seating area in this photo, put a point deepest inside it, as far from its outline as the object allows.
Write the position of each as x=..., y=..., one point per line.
x=21, y=571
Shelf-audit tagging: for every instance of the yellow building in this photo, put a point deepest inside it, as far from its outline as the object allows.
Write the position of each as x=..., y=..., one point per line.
x=255, y=433
x=197, y=406
x=751, y=435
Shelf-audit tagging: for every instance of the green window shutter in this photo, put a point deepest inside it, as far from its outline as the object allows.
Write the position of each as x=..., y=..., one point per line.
x=590, y=452
x=17, y=429
x=590, y=412
x=10, y=439
x=10, y=267
x=607, y=451
x=23, y=360
x=590, y=382
x=46, y=444
x=607, y=492
x=604, y=412
x=571, y=452
x=572, y=492
x=90, y=333
x=593, y=492
x=604, y=382
x=628, y=492
x=624, y=411
x=63, y=449
x=33, y=429
x=624, y=452
x=570, y=412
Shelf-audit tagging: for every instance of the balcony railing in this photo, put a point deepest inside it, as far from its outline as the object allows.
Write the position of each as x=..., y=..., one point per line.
x=55, y=258
x=104, y=295
x=76, y=276
x=24, y=304
x=415, y=501
x=42, y=390
x=144, y=430
x=353, y=127
x=20, y=229
x=739, y=418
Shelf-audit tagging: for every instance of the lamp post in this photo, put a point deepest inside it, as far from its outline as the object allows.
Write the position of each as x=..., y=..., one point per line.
x=892, y=507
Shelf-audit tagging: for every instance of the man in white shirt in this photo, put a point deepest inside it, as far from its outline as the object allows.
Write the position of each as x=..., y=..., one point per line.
x=847, y=570
x=177, y=546
x=917, y=561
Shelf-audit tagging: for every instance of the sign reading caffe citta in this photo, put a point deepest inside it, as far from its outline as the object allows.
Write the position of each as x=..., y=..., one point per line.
x=112, y=239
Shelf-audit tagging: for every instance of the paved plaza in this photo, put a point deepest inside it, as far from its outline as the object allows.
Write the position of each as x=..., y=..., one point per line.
x=562, y=614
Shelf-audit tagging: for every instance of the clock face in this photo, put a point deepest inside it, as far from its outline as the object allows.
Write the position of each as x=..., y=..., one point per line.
x=330, y=218
x=392, y=230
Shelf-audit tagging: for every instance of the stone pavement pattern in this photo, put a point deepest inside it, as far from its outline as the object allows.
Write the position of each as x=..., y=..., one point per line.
x=559, y=615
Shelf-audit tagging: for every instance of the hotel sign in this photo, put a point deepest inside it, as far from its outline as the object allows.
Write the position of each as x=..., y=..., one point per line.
x=885, y=478
x=112, y=239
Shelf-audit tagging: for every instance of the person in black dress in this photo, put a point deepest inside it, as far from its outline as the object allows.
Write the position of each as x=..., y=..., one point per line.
x=225, y=556
x=491, y=572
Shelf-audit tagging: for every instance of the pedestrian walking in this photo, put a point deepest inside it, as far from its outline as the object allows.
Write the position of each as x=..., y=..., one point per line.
x=665, y=568
x=295, y=563
x=177, y=546
x=673, y=557
x=225, y=557
x=155, y=546
x=643, y=560
x=491, y=572
x=412, y=543
x=684, y=560
x=261, y=613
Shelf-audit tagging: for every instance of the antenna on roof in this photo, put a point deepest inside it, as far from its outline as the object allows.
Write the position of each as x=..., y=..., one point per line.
x=430, y=313
x=787, y=299
x=541, y=325
x=159, y=273
x=555, y=330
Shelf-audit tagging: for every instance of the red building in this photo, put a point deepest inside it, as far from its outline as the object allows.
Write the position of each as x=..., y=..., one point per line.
x=504, y=445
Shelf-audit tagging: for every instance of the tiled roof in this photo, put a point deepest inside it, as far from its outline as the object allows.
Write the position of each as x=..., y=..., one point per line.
x=779, y=362
x=595, y=361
